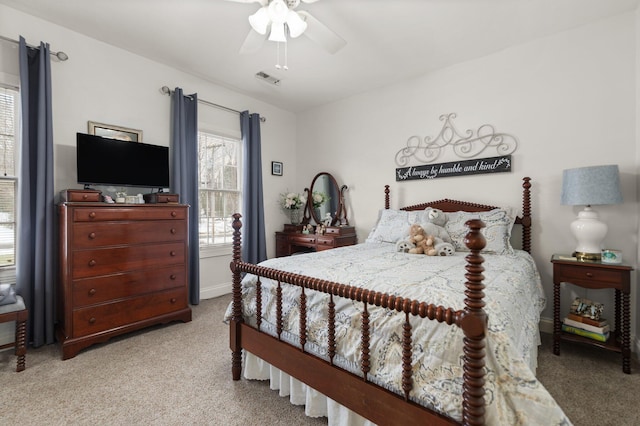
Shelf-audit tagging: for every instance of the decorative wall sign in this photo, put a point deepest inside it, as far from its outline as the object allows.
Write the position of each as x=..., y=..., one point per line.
x=468, y=145
x=455, y=168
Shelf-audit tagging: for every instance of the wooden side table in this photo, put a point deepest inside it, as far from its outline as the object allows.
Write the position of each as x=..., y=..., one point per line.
x=595, y=275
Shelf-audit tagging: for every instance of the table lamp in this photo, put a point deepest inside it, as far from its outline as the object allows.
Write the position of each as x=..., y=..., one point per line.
x=587, y=186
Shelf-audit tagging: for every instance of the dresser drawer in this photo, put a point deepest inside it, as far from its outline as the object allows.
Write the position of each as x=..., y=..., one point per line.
x=104, y=261
x=107, y=316
x=79, y=195
x=89, y=235
x=303, y=240
x=325, y=243
x=90, y=291
x=588, y=276
x=96, y=214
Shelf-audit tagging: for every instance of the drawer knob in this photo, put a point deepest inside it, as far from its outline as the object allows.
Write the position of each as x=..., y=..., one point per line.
x=589, y=274
x=173, y=300
x=174, y=214
x=173, y=230
x=92, y=215
x=92, y=262
x=92, y=235
x=172, y=276
x=173, y=253
x=85, y=196
x=92, y=320
x=92, y=292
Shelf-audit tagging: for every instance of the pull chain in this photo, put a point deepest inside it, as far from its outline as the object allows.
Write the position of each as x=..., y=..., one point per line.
x=285, y=66
x=285, y=57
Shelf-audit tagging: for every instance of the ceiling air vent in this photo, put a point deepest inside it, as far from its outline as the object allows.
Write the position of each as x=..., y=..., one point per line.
x=261, y=75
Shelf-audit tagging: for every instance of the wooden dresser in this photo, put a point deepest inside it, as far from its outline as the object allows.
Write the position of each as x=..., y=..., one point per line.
x=292, y=240
x=122, y=267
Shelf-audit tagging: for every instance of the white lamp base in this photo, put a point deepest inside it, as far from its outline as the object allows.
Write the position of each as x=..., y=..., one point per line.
x=589, y=231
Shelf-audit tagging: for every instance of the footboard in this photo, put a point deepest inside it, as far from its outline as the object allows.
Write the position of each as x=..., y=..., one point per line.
x=354, y=391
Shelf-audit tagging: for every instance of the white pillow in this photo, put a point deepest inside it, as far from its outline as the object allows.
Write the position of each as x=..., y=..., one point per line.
x=497, y=230
x=393, y=225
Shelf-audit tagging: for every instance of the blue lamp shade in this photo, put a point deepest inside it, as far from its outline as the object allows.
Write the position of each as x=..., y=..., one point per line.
x=587, y=186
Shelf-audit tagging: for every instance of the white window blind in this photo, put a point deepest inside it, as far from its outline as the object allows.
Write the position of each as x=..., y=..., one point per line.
x=220, y=194
x=8, y=180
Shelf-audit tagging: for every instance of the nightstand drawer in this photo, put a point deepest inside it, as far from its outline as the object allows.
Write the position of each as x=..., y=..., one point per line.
x=589, y=276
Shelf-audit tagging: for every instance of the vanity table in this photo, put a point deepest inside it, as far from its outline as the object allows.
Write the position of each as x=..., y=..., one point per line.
x=293, y=240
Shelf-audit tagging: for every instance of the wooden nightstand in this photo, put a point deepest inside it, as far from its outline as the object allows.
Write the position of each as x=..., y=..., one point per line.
x=595, y=275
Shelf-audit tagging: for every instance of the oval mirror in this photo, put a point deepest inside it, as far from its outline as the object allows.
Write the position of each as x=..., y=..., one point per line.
x=324, y=198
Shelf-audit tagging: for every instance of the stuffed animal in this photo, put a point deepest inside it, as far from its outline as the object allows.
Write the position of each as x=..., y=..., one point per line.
x=435, y=227
x=404, y=246
x=421, y=242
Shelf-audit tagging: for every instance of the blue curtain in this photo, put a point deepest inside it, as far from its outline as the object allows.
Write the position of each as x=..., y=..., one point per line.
x=254, y=245
x=35, y=270
x=184, y=175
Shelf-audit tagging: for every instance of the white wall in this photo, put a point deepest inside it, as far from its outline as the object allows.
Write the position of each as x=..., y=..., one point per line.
x=102, y=83
x=569, y=99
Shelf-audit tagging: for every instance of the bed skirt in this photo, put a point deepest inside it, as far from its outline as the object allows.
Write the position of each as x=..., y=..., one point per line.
x=315, y=403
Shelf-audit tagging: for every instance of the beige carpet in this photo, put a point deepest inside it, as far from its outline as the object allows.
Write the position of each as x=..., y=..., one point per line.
x=179, y=374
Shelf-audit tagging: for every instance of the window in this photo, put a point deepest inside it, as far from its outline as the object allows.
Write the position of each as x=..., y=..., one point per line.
x=220, y=195
x=9, y=114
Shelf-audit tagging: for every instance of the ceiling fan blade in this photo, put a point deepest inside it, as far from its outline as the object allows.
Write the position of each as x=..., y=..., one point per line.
x=321, y=34
x=262, y=2
x=252, y=43
x=309, y=1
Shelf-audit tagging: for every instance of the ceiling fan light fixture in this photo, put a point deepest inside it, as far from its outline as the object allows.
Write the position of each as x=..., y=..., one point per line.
x=296, y=24
x=260, y=21
x=278, y=11
x=277, y=33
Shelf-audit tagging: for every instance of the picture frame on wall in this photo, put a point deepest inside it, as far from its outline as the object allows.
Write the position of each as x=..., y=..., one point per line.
x=276, y=168
x=115, y=132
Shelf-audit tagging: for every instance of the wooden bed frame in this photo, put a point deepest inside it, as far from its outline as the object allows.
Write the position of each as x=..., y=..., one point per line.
x=355, y=392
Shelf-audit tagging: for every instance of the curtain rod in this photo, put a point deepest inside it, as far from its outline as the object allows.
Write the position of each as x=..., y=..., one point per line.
x=60, y=55
x=167, y=91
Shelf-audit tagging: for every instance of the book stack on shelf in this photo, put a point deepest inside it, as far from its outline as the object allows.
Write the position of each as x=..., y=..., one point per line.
x=586, y=327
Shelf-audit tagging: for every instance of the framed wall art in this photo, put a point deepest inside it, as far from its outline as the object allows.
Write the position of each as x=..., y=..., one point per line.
x=115, y=132
x=276, y=168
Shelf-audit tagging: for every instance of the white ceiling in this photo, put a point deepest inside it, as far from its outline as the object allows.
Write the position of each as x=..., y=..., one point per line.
x=387, y=40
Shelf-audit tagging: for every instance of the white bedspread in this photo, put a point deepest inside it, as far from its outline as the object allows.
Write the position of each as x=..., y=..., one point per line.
x=513, y=297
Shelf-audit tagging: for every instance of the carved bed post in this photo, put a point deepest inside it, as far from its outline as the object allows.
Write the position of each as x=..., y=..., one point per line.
x=386, y=197
x=236, y=320
x=526, y=215
x=474, y=324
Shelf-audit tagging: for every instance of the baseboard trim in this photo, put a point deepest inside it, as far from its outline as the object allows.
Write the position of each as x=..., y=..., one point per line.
x=216, y=290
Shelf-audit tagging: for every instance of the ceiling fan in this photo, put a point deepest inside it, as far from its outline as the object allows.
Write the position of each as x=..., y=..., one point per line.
x=277, y=18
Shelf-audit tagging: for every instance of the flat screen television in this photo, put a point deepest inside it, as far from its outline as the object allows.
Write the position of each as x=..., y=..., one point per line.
x=104, y=161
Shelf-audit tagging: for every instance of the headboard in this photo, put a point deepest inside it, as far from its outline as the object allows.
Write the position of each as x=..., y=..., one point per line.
x=448, y=205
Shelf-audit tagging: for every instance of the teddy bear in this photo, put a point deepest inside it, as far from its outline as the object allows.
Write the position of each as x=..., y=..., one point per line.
x=436, y=219
x=404, y=246
x=418, y=242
